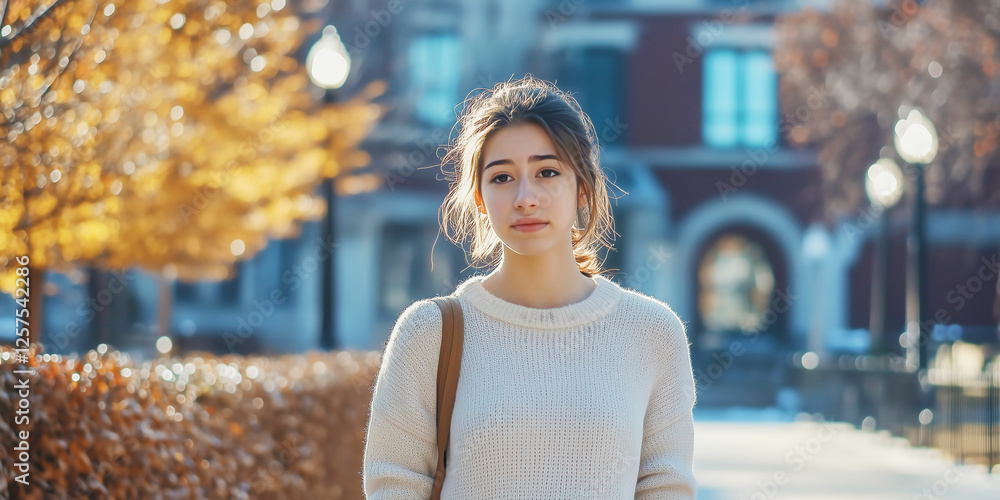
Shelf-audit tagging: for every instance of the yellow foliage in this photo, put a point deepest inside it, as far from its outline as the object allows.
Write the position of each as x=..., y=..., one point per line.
x=137, y=134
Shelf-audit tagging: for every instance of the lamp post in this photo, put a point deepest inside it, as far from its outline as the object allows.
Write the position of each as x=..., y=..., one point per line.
x=917, y=143
x=884, y=187
x=328, y=65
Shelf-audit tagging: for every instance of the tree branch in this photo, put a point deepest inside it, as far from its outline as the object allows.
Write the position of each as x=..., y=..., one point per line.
x=30, y=22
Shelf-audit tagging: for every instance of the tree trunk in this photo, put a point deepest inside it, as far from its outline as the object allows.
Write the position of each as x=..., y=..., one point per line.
x=98, y=323
x=35, y=295
x=166, y=304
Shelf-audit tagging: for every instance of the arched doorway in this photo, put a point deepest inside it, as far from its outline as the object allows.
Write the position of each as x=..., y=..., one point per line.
x=735, y=281
x=740, y=327
x=739, y=276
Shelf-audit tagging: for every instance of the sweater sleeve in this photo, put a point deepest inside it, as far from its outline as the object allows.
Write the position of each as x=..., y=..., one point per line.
x=400, y=455
x=667, y=456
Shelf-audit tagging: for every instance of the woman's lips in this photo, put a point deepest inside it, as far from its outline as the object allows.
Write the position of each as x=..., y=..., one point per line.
x=528, y=228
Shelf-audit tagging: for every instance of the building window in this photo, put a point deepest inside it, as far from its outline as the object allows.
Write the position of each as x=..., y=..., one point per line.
x=405, y=273
x=596, y=78
x=740, y=99
x=435, y=63
x=8, y=311
x=736, y=280
x=185, y=292
x=288, y=258
x=229, y=290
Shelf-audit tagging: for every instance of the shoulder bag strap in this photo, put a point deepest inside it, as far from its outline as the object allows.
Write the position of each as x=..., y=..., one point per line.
x=449, y=365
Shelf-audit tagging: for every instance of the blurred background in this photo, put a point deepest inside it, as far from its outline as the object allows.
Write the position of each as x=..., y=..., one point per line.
x=812, y=185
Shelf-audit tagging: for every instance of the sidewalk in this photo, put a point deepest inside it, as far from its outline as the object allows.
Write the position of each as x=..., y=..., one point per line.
x=761, y=455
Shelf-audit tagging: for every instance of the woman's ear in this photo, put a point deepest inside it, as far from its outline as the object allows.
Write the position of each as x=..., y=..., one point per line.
x=480, y=204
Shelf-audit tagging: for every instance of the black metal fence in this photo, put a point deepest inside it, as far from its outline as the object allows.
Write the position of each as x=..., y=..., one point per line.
x=953, y=405
x=967, y=420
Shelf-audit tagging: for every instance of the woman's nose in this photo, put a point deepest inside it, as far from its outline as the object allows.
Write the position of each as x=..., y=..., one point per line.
x=527, y=196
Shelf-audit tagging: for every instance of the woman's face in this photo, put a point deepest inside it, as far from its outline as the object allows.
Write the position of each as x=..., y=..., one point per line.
x=523, y=177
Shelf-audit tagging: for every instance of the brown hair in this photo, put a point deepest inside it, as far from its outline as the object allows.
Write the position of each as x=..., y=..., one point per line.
x=527, y=100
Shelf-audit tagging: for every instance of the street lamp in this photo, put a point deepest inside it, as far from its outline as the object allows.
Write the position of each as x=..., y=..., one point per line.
x=884, y=187
x=328, y=61
x=917, y=143
x=328, y=65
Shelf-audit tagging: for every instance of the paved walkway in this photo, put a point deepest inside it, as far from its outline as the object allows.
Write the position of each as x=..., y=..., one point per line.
x=757, y=456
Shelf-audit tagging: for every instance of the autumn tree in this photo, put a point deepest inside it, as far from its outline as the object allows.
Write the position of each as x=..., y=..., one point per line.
x=174, y=136
x=858, y=68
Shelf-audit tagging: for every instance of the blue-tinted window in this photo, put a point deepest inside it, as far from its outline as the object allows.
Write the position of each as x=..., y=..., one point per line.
x=596, y=78
x=760, y=98
x=288, y=258
x=604, y=83
x=721, y=98
x=435, y=67
x=740, y=99
x=8, y=312
x=185, y=292
x=229, y=290
x=406, y=272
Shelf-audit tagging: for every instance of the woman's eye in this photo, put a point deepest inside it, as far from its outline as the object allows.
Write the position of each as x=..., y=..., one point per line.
x=498, y=178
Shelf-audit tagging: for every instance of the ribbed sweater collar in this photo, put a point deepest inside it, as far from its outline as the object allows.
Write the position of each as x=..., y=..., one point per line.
x=601, y=301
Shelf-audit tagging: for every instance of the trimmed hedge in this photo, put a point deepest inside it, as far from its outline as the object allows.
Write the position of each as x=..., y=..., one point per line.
x=201, y=426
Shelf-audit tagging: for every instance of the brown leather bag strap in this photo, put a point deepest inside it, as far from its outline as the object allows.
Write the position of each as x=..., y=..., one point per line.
x=449, y=366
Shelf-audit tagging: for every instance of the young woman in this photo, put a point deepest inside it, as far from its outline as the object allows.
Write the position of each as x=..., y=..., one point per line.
x=571, y=386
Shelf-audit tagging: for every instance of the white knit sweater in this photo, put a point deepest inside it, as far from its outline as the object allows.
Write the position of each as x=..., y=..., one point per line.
x=589, y=400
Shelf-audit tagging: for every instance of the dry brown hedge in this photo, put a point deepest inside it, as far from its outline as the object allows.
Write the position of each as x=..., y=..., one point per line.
x=201, y=426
